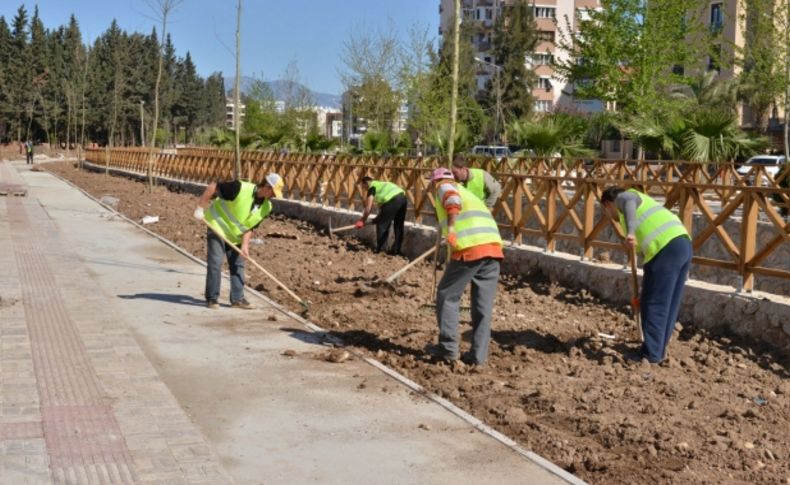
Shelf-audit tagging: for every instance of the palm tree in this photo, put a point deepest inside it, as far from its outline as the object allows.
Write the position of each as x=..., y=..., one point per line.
x=551, y=136
x=713, y=136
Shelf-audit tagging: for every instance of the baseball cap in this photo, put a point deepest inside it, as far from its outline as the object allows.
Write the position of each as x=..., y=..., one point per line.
x=276, y=182
x=441, y=173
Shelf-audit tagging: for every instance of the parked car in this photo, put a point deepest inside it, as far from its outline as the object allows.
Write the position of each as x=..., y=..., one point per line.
x=773, y=164
x=497, y=151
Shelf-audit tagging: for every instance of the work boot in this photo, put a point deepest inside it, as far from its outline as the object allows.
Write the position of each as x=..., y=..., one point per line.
x=213, y=304
x=243, y=304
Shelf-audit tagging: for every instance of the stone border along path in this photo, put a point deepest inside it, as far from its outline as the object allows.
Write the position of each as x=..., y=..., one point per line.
x=66, y=415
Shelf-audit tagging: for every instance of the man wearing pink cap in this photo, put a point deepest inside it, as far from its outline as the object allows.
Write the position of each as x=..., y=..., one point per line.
x=473, y=237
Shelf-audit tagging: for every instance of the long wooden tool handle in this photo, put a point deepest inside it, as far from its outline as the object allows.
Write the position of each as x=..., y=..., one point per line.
x=255, y=263
x=344, y=228
x=419, y=258
x=635, y=287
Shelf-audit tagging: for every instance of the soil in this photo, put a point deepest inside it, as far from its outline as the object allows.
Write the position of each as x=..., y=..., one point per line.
x=718, y=411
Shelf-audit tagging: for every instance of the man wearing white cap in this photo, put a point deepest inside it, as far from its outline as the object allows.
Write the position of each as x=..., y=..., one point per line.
x=473, y=237
x=239, y=207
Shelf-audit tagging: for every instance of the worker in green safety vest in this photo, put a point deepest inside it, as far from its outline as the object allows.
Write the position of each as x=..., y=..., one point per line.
x=392, y=204
x=477, y=181
x=237, y=209
x=665, y=245
x=473, y=237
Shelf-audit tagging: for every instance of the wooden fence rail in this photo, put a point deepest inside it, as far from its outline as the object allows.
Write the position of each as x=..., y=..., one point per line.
x=552, y=201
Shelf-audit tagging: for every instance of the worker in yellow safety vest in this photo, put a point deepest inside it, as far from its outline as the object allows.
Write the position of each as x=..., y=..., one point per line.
x=392, y=204
x=473, y=237
x=237, y=209
x=477, y=181
x=665, y=245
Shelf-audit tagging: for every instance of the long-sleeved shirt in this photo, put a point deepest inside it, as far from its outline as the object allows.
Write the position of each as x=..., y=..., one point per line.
x=450, y=199
x=493, y=189
x=627, y=203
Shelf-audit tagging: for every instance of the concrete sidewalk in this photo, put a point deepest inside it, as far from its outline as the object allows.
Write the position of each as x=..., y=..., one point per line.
x=113, y=371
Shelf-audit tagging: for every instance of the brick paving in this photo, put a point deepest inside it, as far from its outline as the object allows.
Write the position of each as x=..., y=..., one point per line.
x=79, y=401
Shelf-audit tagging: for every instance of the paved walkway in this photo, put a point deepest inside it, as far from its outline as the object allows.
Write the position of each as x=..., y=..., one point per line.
x=113, y=371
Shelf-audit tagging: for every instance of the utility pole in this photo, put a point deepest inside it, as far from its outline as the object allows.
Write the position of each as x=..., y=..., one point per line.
x=454, y=95
x=142, y=123
x=237, y=94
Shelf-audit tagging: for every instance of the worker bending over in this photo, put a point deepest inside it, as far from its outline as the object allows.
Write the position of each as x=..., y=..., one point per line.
x=473, y=237
x=239, y=207
x=477, y=181
x=392, y=203
x=666, y=247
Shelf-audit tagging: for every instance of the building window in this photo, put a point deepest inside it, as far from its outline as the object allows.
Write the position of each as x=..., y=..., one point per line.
x=545, y=12
x=546, y=36
x=542, y=106
x=544, y=82
x=583, y=14
x=542, y=59
x=489, y=14
x=716, y=17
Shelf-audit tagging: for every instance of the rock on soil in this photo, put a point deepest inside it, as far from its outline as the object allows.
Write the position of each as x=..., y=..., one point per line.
x=551, y=383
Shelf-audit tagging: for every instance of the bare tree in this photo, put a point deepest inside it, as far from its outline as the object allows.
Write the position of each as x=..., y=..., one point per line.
x=372, y=70
x=237, y=95
x=454, y=94
x=162, y=10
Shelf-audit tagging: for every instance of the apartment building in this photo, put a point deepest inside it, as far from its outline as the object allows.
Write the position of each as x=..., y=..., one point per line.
x=731, y=19
x=551, y=18
x=230, y=120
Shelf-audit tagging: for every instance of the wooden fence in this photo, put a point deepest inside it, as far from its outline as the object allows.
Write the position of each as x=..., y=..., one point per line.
x=541, y=198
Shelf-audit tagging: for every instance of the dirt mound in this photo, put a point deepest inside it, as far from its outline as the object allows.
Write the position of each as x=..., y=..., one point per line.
x=717, y=412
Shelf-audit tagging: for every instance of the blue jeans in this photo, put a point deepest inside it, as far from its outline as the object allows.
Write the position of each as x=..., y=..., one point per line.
x=217, y=252
x=662, y=292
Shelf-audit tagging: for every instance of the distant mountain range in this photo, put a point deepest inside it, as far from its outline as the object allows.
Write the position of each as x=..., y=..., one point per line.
x=279, y=87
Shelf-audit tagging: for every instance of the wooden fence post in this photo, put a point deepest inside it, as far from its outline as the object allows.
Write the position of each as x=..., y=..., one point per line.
x=748, y=241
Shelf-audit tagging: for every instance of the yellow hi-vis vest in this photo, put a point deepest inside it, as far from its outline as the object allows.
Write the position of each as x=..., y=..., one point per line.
x=474, y=225
x=476, y=183
x=234, y=218
x=385, y=191
x=656, y=226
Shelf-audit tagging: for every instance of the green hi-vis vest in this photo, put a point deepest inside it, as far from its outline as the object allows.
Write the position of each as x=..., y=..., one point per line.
x=476, y=183
x=234, y=218
x=474, y=225
x=656, y=226
x=385, y=191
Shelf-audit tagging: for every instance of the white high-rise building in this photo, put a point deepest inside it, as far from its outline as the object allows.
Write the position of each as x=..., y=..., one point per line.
x=551, y=19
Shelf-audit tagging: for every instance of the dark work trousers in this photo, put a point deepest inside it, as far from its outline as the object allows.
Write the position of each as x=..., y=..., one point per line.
x=484, y=275
x=217, y=252
x=393, y=211
x=29, y=160
x=662, y=291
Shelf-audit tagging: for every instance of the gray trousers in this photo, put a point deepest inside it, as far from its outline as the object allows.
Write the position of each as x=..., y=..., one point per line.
x=484, y=275
x=217, y=253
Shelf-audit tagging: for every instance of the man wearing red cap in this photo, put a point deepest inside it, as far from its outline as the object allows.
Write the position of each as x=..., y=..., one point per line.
x=473, y=237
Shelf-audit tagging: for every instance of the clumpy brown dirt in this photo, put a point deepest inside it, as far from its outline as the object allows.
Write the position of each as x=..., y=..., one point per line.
x=717, y=412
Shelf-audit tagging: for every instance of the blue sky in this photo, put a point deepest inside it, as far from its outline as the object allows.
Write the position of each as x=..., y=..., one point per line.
x=274, y=32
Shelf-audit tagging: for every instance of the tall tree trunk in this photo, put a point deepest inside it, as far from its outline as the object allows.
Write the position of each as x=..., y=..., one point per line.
x=237, y=95
x=454, y=94
x=80, y=155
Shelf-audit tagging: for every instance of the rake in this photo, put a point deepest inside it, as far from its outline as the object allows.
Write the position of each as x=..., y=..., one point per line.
x=305, y=306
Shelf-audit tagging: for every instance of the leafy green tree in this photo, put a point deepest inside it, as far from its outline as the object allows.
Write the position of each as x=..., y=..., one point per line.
x=630, y=52
x=515, y=37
